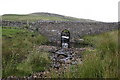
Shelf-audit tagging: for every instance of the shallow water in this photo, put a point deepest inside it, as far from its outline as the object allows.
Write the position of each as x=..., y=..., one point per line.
x=72, y=44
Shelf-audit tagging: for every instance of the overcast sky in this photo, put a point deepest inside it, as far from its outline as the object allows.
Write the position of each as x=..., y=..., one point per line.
x=100, y=10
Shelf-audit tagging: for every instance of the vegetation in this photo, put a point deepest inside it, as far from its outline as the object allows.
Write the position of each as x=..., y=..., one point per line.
x=101, y=62
x=0, y=52
x=106, y=54
x=40, y=16
x=19, y=57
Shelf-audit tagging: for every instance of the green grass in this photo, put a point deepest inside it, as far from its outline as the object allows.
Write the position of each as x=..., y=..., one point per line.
x=15, y=38
x=0, y=52
x=36, y=17
x=32, y=18
x=21, y=59
x=17, y=49
x=102, y=62
x=35, y=62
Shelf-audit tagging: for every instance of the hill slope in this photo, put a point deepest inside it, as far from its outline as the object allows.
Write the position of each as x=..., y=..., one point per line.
x=41, y=16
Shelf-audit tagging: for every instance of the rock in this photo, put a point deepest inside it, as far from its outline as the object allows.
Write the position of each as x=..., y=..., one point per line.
x=66, y=56
x=52, y=29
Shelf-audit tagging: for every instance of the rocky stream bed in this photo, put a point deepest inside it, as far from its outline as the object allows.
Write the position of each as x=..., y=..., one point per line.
x=61, y=61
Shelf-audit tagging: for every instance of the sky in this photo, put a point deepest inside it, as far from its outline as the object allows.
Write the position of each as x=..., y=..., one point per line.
x=99, y=10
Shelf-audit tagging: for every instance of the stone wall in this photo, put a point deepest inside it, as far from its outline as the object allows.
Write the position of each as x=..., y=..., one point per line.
x=53, y=29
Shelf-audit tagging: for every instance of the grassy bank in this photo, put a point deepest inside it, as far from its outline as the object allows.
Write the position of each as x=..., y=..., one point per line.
x=100, y=62
x=19, y=57
x=40, y=16
x=31, y=18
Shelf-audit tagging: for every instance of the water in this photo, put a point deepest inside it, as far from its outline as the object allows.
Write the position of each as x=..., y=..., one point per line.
x=72, y=44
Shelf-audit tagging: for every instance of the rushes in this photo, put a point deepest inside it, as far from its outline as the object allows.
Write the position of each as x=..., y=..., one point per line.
x=35, y=62
x=22, y=60
x=17, y=58
x=102, y=62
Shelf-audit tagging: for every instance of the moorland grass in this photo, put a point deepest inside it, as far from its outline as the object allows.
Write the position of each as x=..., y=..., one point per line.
x=17, y=45
x=101, y=62
x=21, y=59
x=31, y=18
x=38, y=17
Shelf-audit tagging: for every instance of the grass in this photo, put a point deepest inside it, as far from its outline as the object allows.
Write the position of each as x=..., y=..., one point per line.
x=21, y=59
x=0, y=52
x=37, y=17
x=17, y=45
x=35, y=62
x=101, y=62
x=32, y=18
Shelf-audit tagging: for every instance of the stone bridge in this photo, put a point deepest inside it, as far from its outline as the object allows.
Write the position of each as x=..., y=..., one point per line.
x=52, y=29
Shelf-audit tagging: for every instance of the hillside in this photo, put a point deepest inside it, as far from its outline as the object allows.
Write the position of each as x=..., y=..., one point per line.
x=51, y=25
x=21, y=60
x=27, y=47
x=41, y=16
x=17, y=44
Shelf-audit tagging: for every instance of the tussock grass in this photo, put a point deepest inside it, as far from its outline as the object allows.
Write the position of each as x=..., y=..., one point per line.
x=21, y=59
x=17, y=45
x=35, y=62
x=102, y=62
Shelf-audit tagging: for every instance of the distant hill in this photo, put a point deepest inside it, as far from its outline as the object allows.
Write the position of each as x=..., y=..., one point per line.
x=42, y=16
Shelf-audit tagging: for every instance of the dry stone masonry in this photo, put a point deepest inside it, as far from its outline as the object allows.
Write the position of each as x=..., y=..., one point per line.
x=52, y=29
